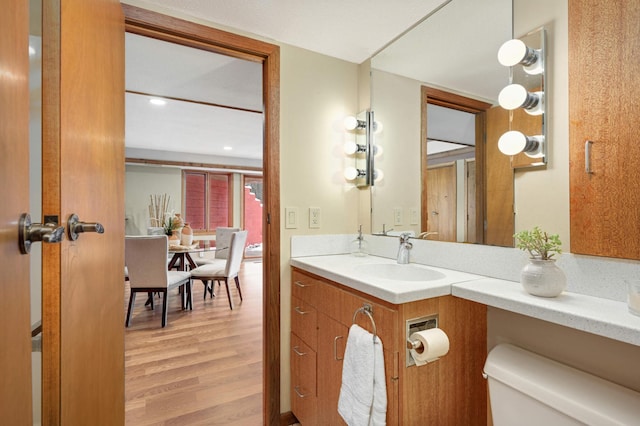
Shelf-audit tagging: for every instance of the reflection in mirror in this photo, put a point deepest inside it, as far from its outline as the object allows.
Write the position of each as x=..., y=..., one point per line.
x=454, y=51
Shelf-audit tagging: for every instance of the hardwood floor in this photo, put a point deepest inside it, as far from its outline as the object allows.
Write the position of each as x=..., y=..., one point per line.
x=205, y=366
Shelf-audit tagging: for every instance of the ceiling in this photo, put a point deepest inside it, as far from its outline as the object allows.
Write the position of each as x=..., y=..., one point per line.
x=214, y=101
x=352, y=30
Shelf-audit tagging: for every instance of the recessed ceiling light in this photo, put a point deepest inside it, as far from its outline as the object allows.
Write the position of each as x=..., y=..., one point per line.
x=157, y=101
x=227, y=148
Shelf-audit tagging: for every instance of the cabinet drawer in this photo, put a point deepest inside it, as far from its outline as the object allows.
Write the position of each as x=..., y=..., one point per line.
x=304, y=322
x=304, y=287
x=303, y=381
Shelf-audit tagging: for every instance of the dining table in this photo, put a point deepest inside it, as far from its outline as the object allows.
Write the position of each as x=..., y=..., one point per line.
x=181, y=256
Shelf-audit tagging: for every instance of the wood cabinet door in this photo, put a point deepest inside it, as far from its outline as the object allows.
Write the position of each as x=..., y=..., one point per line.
x=332, y=340
x=604, y=88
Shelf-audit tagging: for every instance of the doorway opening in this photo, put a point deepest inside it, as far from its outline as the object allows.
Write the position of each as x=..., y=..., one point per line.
x=150, y=24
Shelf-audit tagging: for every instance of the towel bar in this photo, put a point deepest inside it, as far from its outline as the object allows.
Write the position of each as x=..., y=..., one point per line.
x=368, y=311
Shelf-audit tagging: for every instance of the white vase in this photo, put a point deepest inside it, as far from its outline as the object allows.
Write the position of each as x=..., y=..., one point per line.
x=543, y=278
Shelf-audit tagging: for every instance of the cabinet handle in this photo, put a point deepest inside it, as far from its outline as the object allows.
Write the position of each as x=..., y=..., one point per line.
x=297, y=351
x=297, y=391
x=335, y=348
x=587, y=156
x=301, y=284
x=300, y=311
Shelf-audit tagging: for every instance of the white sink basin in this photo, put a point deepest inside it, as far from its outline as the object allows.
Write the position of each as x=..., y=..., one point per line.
x=394, y=271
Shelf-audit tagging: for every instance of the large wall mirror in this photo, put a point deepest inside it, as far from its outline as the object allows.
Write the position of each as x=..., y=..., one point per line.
x=438, y=158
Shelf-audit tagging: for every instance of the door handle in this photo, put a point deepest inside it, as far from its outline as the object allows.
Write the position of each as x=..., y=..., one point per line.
x=29, y=233
x=75, y=227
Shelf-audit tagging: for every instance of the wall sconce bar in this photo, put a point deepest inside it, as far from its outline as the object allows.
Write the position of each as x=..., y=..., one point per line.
x=363, y=173
x=527, y=91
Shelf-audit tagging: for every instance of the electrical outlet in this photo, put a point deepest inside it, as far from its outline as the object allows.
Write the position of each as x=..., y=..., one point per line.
x=314, y=217
x=415, y=217
x=397, y=216
x=290, y=217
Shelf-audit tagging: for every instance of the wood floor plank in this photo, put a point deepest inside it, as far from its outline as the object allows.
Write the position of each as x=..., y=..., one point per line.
x=205, y=367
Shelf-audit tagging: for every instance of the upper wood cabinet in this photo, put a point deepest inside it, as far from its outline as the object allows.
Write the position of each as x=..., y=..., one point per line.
x=604, y=108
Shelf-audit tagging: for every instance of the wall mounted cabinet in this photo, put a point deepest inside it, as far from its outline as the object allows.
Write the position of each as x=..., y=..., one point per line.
x=604, y=113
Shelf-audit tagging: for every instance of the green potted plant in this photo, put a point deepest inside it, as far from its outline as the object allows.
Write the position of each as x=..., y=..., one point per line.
x=541, y=276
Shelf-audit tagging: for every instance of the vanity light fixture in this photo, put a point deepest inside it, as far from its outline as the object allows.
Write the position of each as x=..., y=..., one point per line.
x=514, y=142
x=527, y=89
x=515, y=96
x=363, y=150
x=514, y=52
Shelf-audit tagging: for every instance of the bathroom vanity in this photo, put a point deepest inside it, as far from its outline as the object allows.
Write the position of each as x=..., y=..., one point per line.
x=449, y=390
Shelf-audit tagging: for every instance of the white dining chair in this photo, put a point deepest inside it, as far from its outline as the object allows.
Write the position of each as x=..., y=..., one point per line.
x=209, y=274
x=146, y=263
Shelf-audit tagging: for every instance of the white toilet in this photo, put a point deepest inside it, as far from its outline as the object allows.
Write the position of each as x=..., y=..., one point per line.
x=528, y=389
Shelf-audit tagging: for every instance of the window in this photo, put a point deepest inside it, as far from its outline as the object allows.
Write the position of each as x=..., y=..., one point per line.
x=207, y=200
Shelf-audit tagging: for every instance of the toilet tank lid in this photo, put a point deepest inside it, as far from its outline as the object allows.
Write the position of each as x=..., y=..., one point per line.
x=579, y=395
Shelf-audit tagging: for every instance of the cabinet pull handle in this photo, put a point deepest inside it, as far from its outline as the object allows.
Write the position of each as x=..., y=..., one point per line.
x=335, y=348
x=296, y=349
x=587, y=156
x=301, y=284
x=297, y=391
x=300, y=311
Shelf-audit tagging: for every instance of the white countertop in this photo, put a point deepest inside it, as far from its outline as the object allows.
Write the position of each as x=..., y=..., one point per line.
x=595, y=315
x=346, y=270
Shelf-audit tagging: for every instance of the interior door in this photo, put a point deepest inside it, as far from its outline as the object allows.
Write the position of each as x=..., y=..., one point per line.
x=15, y=333
x=83, y=174
x=441, y=201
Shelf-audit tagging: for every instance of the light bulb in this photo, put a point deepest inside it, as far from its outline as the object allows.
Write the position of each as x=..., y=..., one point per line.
x=515, y=96
x=157, y=101
x=377, y=127
x=350, y=173
x=352, y=123
x=351, y=148
x=514, y=52
x=514, y=142
x=377, y=150
x=378, y=175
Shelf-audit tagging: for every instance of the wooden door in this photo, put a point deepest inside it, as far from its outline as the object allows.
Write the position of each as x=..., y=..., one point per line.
x=332, y=340
x=441, y=202
x=500, y=221
x=83, y=173
x=15, y=355
x=470, y=201
x=604, y=88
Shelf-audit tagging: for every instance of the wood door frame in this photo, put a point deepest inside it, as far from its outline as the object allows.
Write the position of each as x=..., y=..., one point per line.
x=430, y=95
x=163, y=27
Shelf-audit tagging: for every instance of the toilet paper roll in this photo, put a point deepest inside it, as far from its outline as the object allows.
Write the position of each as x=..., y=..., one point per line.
x=434, y=344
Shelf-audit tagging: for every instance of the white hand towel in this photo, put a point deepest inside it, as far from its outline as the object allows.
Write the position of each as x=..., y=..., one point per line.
x=363, y=394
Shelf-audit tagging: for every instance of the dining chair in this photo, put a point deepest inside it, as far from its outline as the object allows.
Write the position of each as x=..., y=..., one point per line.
x=211, y=273
x=146, y=261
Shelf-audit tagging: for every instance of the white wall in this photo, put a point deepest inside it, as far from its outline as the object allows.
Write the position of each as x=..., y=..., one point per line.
x=395, y=101
x=316, y=93
x=542, y=196
x=140, y=183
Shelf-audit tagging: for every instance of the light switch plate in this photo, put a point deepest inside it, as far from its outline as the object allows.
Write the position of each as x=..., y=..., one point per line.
x=414, y=216
x=314, y=217
x=290, y=217
x=397, y=216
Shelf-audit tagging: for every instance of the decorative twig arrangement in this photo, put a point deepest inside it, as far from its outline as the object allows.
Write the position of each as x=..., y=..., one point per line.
x=158, y=209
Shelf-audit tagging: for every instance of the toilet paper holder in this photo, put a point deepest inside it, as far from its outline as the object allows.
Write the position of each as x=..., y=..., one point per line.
x=414, y=325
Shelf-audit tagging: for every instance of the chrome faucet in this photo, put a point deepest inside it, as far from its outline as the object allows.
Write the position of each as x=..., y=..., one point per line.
x=403, y=250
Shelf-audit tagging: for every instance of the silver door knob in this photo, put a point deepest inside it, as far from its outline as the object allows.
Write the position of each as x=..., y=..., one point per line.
x=75, y=227
x=29, y=233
